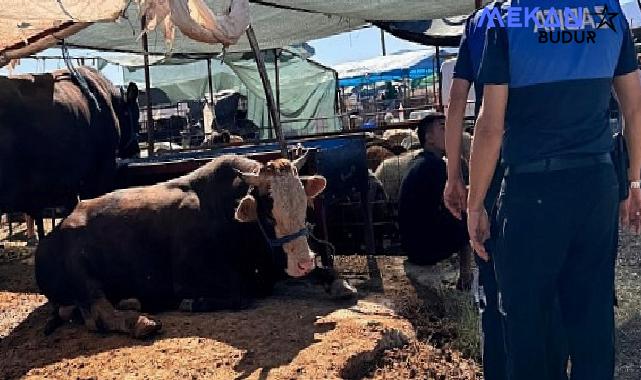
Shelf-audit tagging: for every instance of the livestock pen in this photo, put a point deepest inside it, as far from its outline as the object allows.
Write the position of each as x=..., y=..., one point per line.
x=407, y=322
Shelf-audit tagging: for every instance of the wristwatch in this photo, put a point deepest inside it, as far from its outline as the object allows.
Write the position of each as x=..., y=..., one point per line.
x=635, y=184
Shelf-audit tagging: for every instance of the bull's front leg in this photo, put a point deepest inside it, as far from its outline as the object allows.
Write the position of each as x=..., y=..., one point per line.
x=333, y=284
x=97, y=312
x=101, y=316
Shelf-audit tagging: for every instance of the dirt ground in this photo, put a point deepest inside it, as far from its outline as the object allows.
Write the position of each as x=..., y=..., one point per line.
x=299, y=333
x=397, y=329
x=628, y=313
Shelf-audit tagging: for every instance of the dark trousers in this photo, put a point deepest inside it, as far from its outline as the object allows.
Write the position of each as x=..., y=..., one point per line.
x=492, y=323
x=555, y=241
x=493, y=343
x=492, y=337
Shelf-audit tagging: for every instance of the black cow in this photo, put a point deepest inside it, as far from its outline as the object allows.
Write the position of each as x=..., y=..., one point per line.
x=56, y=142
x=201, y=242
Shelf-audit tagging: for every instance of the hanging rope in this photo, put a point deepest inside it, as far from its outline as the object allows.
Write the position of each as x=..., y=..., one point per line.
x=79, y=79
x=332, y=249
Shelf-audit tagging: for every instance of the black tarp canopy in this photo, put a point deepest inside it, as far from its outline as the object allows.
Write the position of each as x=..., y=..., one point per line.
x=439, y=32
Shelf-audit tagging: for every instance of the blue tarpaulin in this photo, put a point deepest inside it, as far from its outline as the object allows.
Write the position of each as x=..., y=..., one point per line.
x=415, y=64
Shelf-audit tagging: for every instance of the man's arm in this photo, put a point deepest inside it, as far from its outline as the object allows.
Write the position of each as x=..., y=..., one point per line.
x=454, y=195
x=488, y=133
x=488, y=137
x=628, y=91
x=454, y=125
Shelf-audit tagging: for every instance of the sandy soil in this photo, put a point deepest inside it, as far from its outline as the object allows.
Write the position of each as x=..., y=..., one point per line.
x=397, y=329
x=299, y=333
x=628, y=314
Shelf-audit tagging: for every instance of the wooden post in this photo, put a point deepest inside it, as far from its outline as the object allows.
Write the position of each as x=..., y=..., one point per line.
x=440, y=81
x=277, y=53
x=211, y=86
x=269, y=96
x=433, y=82
x=150, y=116
x=383, y=42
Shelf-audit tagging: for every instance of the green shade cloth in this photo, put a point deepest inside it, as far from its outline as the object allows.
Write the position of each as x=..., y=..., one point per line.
x=307, y=89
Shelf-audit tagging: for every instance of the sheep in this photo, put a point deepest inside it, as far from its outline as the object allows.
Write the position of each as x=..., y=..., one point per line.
x=392, y=171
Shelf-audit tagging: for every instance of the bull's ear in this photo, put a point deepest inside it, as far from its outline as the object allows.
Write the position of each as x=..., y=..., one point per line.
x=314, y=185
x=246, y=211
x=132, y=92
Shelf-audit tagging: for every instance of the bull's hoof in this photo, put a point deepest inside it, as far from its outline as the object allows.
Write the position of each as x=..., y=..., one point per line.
x=146, y=327
x=52, y=324
x=342, y=290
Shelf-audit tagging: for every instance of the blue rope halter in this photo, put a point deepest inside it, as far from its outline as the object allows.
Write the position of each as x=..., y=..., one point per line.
x=275, y=243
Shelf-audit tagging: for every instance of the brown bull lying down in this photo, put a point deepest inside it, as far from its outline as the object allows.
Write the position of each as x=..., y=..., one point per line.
x=199, y=241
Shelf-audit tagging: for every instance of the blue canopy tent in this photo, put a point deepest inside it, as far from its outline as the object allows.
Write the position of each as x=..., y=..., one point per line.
x=411, y=65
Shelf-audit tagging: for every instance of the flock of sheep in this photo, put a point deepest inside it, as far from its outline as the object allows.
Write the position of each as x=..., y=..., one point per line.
x=389, y=158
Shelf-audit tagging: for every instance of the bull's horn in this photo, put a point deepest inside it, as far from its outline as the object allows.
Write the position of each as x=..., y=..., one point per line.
x=252, y=179
x=300, y=162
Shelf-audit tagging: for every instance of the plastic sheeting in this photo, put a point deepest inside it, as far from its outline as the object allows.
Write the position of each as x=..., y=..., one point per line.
x=277, y=23
x=196, y=20
x=307, y=89
x=411, y=64
x=29, y=26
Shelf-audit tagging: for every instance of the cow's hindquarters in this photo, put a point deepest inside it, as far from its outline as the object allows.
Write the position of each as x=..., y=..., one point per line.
x=63, y=276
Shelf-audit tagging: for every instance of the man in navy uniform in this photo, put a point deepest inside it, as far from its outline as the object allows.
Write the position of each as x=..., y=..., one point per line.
x=558, y=204
x=455, y=196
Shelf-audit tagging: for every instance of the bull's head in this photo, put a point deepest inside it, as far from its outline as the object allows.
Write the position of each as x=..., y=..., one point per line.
x=278, y=202
x=128, y=114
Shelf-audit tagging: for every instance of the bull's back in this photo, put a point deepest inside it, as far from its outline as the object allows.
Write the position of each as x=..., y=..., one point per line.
x=53, y=142
x=126, y=239
x=44, y=142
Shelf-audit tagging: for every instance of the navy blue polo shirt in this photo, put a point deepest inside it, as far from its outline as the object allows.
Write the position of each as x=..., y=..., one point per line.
x=470, y=53
x=559, y=93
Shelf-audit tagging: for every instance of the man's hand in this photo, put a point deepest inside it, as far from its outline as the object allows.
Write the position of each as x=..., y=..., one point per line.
x=478, y=227
x=631, y=213
x=455, y=197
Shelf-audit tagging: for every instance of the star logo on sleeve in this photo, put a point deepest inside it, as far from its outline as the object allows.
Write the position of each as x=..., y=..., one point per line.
x=607, y=18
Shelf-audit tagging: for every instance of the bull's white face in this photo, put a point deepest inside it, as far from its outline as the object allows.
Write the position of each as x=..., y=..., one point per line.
x=288, y=212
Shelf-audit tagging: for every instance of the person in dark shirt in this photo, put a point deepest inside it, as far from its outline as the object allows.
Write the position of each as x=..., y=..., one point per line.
x=429, y=232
